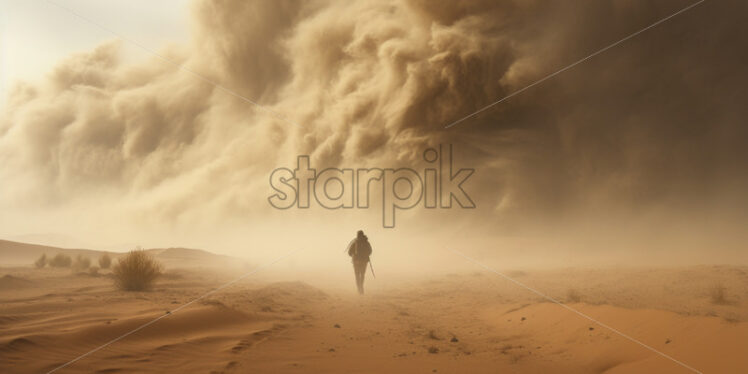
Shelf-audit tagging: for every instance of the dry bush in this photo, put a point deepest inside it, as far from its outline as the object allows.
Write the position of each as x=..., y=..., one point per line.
x=136, y=271
x=573, y=296
x=93, y=270
x=41, y=261
x=81, y=263
x=61, y=261
x=105, y=261
x=718, y=294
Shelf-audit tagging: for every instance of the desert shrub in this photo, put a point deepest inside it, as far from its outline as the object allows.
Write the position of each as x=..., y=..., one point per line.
x=93, y=270
x=61, y=260
x=81, y=263
x=136, y=271
x=573, y=296
x=718, y=294
x=105, y=261
x=41, y=261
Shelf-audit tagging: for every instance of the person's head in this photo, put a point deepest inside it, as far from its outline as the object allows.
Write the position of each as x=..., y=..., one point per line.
x=360, y=234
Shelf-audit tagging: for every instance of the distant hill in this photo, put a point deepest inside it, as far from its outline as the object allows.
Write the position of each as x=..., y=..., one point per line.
x=17, y=253
x=23, y=254
x=50, y=239
x=188, y=257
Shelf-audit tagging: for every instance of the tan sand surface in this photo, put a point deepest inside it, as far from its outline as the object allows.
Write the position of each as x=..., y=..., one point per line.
x=454, y=323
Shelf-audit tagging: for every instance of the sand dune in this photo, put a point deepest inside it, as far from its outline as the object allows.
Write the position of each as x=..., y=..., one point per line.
x=16, y=253
x=457, y=323
x=10, y=282
x=22, y=254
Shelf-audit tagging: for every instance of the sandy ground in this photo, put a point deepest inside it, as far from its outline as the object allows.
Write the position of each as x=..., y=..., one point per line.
x=455, y=323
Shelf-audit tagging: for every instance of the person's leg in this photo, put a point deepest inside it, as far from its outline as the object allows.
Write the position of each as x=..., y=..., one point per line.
x=363, y=275
x=360, y=271
x=358, y=276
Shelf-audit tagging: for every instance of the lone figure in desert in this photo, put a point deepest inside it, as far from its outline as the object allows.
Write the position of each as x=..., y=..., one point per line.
x=360, y=250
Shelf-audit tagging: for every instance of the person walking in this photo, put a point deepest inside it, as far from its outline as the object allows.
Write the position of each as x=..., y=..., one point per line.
x=360, y=250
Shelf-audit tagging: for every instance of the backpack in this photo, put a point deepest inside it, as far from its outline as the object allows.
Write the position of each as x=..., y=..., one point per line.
x=360, y=248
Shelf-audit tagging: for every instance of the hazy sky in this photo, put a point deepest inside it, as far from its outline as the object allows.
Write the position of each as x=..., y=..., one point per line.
x=36, y=35
x=640, y=149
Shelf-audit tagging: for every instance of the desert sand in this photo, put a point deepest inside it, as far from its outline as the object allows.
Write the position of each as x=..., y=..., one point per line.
x=469, y=322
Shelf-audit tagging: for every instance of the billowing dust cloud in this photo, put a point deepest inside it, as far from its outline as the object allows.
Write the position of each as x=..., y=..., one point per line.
x=640, y=147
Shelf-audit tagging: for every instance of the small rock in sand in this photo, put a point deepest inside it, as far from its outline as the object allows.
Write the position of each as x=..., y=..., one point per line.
x=337, y=326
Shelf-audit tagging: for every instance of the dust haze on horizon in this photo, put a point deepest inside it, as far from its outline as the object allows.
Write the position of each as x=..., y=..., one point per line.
x=635, y=156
